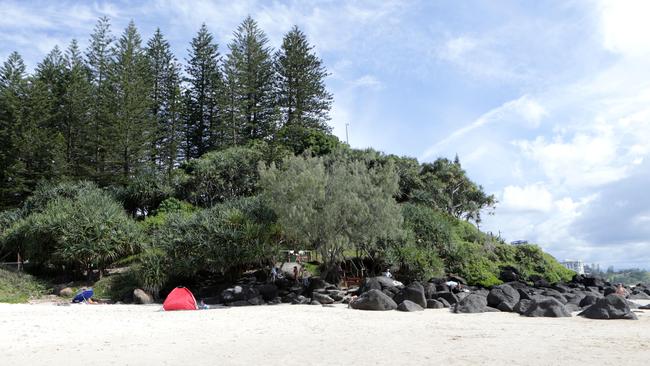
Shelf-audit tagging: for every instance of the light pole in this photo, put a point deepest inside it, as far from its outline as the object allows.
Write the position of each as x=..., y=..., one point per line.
x=347, y=140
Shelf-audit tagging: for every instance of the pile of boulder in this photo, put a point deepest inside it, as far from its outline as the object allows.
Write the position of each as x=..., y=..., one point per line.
x=589, y=297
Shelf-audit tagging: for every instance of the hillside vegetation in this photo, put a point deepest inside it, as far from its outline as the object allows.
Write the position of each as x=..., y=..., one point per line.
x=115, y=157
x=19, y=287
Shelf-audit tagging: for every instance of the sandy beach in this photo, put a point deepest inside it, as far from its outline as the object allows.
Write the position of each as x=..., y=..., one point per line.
x=46, y=334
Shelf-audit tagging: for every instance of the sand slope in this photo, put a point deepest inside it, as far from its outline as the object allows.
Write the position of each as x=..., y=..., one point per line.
x=46, y=334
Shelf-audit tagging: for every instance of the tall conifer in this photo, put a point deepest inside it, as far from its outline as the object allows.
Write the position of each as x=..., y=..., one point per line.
x=302, y=97
x=100, y=60
x=131, y=133
x=204, y=120
x=166, y=103
x=249, y=79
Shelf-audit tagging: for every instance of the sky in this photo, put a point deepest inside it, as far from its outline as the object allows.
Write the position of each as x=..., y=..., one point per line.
x=547, y=103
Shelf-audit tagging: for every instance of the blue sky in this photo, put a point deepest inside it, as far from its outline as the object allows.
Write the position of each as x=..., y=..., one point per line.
x=547, y=103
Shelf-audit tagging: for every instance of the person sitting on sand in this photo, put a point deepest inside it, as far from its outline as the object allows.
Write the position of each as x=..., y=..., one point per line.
x=620, y=290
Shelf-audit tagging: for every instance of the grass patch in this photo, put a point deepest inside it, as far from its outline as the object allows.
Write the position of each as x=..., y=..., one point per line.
x=18, y=287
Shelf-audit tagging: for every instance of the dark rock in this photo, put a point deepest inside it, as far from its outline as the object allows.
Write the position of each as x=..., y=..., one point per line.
x=574, y=298
x=489, y=309
x=238, y=293
x=522, y=306
x=268, y=291
x=471, y=304
x=593, y=281
x=645, y=307
x=336, y=295
x=413, y=292
x=506, y=307
x=316, y=283
x=517, y=285
x=288, y=298
x=408, y=305
x=448, y=296
x=549, y=307
x=434, y=304
x=609, y=290
x=524, y=294
x=321, y=298
x=572, y=307
x=429, y=290
x=257, y=300
x=301, y=300
x=374, y=300
x=314, y=302
x=610, y=307
x=444, y=302
x=481, y=291
x=561, y=288
x=239, y=303
x=503, y=293
x=555, y=294
x=509, y=274
x=639, y=296
x=141, y=297
x=588, y=300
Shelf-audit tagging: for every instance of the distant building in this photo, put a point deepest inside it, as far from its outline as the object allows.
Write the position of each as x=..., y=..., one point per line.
x=575, y=265
x=519, y=242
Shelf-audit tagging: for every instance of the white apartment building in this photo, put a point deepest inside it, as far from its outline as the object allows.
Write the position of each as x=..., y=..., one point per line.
x=575, y=265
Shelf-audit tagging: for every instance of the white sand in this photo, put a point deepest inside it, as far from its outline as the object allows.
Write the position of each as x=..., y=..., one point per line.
x=46, y=334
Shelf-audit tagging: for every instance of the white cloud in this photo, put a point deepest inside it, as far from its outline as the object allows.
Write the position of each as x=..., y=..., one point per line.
x=367, y=82
x=625, y=26
x=533, y=197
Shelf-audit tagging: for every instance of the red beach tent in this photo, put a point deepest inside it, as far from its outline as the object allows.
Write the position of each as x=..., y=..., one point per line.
x=180, y=299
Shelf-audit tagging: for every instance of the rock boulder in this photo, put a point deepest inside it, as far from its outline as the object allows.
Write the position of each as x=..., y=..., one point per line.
x=374, y=300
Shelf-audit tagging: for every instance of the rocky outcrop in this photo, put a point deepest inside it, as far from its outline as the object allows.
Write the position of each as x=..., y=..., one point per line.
x=503, y=297
x=413, y=292
x=549, y=307
x=409, y=306
x=374, y=300
x=473, y=303
x=609, y=307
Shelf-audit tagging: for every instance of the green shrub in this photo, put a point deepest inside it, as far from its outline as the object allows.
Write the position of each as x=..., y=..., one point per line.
x=226, y=239
x=79, y=230
x=219, y=176
x=416, y=263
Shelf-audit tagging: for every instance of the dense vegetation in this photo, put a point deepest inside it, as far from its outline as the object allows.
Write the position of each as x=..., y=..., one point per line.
x=631, y=276
x=121, y=156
